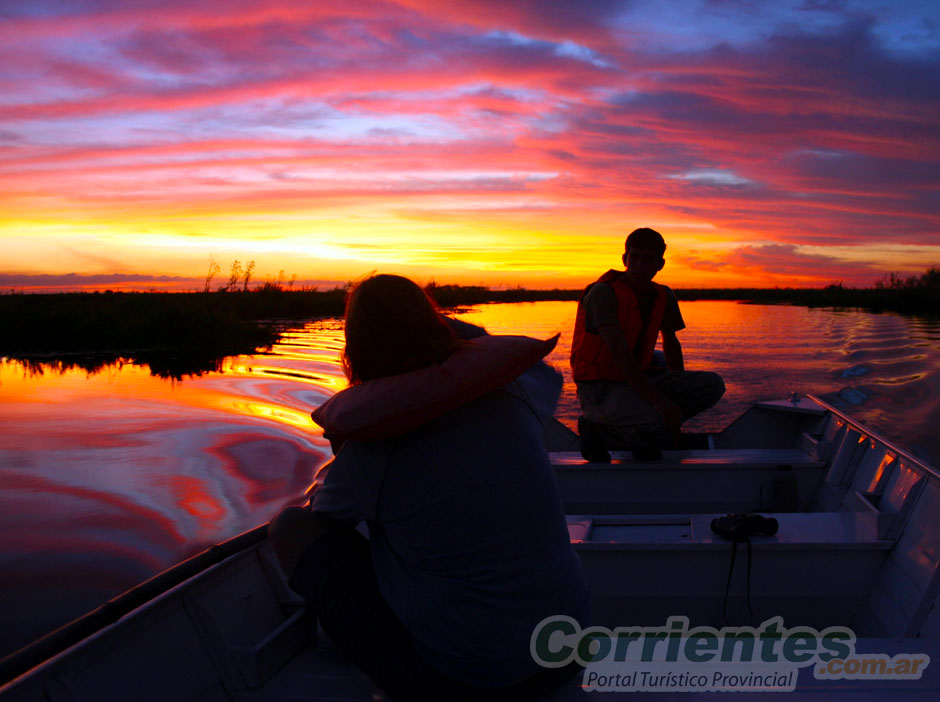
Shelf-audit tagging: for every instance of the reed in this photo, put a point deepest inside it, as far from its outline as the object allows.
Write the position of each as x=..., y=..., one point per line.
x=241, y=321
x=175, y=334
x=914, y=295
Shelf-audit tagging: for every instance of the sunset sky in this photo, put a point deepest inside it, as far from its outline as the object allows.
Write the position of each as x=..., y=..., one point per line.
x=499, y=142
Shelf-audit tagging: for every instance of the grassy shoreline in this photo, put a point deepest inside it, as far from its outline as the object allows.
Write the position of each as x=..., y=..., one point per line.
x=914, y=296
x=176, y=334
x=176, y=331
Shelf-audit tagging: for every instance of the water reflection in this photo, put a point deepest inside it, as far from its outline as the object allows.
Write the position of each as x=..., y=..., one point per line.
x=883, y=369
x=110, y=476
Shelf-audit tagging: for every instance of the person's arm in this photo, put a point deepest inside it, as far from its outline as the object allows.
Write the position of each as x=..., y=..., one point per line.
x=672, y=350
x=347, y=489
x=669, y=411
x=672, y=322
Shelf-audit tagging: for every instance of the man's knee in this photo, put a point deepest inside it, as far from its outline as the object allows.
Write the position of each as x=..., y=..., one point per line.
x=715, y=385
x=708, y=389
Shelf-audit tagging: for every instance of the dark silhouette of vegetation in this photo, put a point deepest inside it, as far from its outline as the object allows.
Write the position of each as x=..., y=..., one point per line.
x=447, y=296
x=916, y=294
x=186, y=333
x=163, y=363
x=237, y=275
x=175, y=334
x=213, y=269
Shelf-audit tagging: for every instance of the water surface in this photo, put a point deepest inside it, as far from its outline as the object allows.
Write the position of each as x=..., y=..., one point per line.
x=109, y=477
x=883, y=369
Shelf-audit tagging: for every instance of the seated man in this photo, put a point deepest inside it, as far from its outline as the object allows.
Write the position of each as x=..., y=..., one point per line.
x=627, y=398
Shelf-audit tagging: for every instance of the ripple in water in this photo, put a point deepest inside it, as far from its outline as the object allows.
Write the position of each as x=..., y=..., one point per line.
x=110, y=477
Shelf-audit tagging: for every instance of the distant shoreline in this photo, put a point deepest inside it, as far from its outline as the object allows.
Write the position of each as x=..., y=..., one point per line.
x=914, y=296
x=178, y=332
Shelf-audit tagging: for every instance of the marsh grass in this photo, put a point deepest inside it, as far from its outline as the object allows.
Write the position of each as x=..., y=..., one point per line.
x=176, y=334
x=914, y=295
x=180, y=334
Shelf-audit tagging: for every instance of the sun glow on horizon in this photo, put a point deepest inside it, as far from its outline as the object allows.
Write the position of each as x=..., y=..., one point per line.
x=474, y=143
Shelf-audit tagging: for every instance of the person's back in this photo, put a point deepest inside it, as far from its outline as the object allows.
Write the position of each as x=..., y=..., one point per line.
x=468, y=536
x=468, y=547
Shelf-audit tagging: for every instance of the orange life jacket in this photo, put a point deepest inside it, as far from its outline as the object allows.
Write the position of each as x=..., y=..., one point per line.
x=591, y=358
x=395, y=404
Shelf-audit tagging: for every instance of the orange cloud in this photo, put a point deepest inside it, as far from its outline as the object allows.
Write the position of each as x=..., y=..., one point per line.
x=473, y=141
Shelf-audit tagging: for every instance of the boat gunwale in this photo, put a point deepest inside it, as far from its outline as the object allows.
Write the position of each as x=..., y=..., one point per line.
x=45, y=650
x=691, y=464
x=921, y=463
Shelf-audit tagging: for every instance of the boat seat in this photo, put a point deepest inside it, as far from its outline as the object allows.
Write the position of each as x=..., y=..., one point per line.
x=817, y=570
x=714, y=480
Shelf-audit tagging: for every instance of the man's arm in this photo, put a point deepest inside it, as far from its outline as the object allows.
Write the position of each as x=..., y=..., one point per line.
x=672, y=350
x=668, y=410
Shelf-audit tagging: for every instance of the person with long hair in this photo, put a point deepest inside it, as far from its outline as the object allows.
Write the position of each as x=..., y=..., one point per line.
x=468, y=548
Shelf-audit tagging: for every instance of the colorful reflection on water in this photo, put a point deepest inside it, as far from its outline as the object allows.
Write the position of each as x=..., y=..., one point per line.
x=882, y=369
x=109, y=477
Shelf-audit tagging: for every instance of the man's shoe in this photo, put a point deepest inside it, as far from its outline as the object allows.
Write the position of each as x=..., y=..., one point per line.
x=646, y=454
x=593, y=448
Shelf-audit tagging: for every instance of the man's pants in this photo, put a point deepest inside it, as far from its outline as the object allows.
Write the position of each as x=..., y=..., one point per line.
x=625, y=419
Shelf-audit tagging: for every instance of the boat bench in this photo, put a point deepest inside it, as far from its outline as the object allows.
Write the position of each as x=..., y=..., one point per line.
x=817, y=570
x=712, y=480
x=642, y=569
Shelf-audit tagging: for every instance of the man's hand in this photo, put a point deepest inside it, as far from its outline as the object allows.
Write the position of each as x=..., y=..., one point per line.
x=672, y=350
x=669, y=412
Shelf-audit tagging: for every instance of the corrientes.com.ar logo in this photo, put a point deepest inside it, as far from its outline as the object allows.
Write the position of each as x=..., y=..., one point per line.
x=677, y=658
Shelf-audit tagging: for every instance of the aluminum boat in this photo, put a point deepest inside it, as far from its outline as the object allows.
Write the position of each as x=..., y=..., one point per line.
x=858, y=546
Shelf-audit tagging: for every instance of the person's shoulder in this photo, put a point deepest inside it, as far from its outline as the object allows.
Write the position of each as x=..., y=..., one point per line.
x=669, y=292
x=612, y=276
x=603, y=286
x=599, y=295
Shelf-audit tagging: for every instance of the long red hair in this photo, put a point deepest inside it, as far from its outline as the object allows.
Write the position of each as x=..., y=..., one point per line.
x=392, y=327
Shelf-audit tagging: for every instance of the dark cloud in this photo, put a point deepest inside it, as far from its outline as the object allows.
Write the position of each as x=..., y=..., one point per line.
x=545, y=19
x=78, y=280
x=786, y=260
x=807, y=131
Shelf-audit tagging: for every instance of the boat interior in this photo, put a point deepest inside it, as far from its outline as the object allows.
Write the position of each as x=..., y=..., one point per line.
x=857, y=541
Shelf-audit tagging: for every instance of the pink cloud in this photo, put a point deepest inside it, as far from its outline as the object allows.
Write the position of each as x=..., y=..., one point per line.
x=805, y=136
